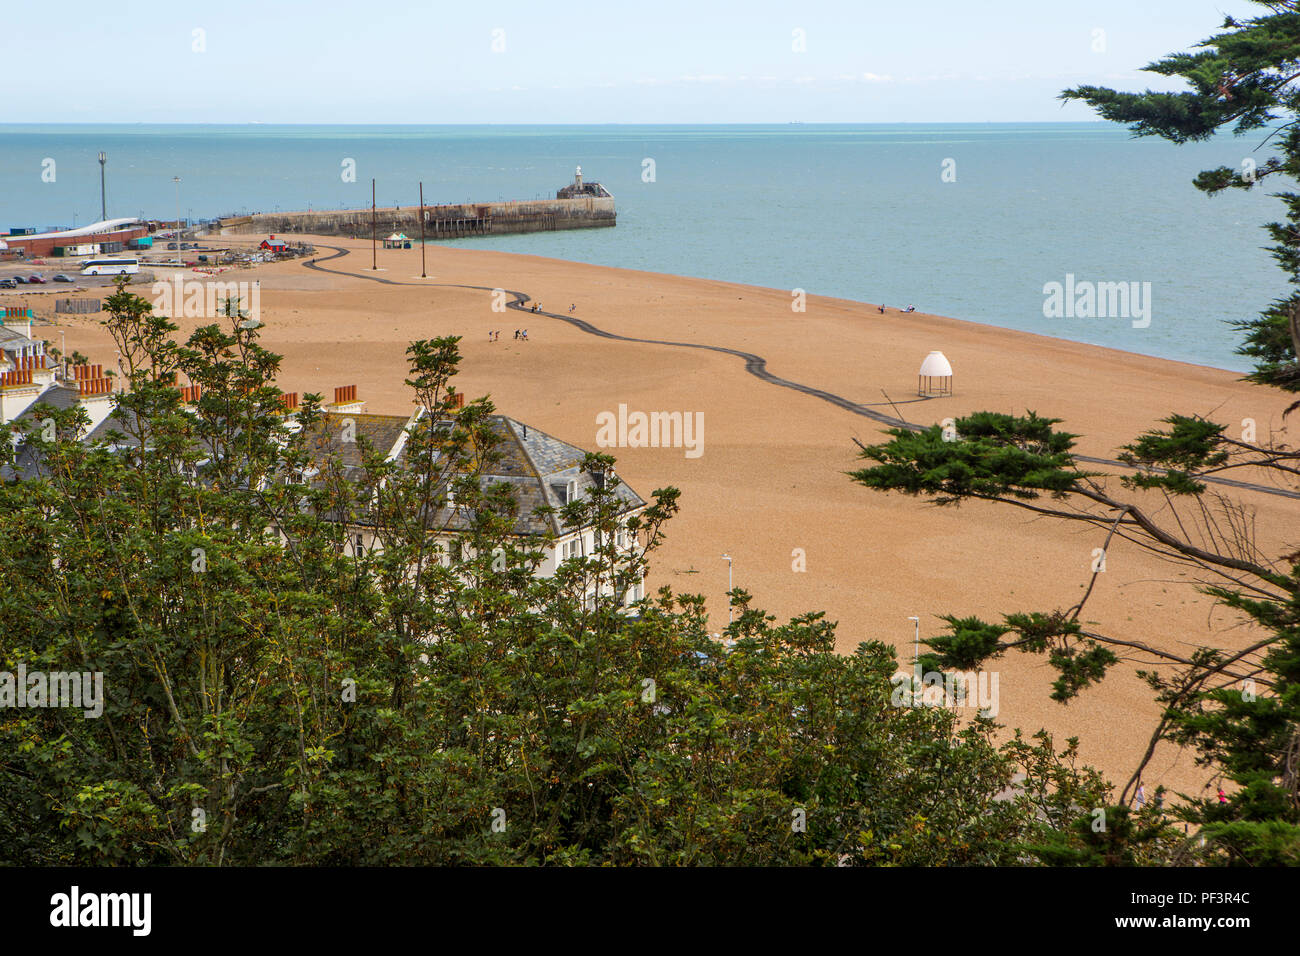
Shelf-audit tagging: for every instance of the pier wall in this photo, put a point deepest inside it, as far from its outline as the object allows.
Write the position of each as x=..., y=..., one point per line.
x=440, y=222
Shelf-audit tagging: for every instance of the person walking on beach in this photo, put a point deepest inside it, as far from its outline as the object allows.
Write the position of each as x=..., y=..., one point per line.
x=1141, y=796
x=525, y=335
x=1223, y=797
x=516, y=335
x=882, y=310
x=572, y=308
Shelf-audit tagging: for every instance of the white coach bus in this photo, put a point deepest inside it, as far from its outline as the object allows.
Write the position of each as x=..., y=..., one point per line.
x=111, y=267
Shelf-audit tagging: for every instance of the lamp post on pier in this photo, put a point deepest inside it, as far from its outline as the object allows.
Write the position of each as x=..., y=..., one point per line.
x=177, y=181
x=424, y=272
x=103, y=193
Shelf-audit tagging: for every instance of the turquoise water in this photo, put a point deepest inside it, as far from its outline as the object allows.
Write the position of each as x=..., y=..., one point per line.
x=860, y=212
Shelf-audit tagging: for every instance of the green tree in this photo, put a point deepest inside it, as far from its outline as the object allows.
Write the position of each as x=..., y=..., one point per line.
x=275, y=695
x=1243, y=78
x=1240, y=709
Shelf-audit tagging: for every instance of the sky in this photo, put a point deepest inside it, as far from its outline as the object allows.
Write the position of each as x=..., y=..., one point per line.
x=625, y=61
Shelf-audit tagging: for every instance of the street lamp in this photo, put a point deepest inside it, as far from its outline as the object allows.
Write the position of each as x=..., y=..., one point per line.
x=916, y=657
x=103, y=195
x=727, y=558
x=177, y=181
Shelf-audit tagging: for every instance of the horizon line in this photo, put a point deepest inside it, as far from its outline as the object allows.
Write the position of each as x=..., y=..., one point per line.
x=1097, y=121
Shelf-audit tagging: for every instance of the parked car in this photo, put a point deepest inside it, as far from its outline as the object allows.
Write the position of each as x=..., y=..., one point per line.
x=36, y=279
x=20, y=279
x=64, y=278
x=8, y=284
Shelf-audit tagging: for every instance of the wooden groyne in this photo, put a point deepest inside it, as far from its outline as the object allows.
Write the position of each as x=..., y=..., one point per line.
x=450, y=221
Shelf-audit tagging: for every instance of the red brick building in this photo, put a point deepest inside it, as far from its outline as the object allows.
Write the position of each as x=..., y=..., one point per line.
x=112, y=230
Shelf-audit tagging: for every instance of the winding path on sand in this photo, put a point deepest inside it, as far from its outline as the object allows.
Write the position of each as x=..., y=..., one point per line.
x=755, y=365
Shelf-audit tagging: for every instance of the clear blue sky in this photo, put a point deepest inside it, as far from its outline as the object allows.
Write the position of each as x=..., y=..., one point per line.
x=653, y=61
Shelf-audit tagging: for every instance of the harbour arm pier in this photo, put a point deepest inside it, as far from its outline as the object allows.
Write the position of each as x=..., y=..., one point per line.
x=579, y=205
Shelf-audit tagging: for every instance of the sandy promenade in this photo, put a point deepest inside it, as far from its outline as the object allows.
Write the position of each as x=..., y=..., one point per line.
x=771, y=477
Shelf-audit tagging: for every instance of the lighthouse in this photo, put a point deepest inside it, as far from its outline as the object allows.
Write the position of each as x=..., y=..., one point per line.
x=579, y=189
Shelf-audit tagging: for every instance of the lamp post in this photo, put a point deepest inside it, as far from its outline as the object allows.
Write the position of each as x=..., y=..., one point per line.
x=424, y=272
x=916, y=657
x=727, y=558
x=177, y=181
x=103, y=194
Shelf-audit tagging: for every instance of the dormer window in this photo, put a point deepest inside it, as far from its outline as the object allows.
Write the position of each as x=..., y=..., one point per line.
x=566, y=491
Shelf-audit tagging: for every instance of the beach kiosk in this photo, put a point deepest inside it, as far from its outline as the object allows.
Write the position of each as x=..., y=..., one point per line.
x=397, y=240
x=935, y=377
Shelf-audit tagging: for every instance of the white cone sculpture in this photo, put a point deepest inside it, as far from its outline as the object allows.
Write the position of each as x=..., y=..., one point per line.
x=935, y=377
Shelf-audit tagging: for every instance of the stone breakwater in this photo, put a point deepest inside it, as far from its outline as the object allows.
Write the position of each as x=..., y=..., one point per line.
x=440, y=222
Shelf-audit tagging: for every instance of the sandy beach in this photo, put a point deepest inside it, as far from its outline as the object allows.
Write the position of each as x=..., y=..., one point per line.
x=771, y=478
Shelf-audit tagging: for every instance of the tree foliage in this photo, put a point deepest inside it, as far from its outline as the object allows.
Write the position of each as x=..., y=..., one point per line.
x=1239, y=709
x=275, y=696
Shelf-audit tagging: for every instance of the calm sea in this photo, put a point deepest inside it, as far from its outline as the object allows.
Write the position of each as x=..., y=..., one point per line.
x=862, y=212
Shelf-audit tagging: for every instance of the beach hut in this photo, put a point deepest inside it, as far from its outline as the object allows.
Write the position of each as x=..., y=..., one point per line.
x=935, y=377
x=397, y=240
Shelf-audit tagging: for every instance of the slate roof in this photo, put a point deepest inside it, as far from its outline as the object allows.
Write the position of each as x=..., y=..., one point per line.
x=116, y=421
x=537, y=465
x=59, y=397
x=325, y=440
x=11, y=340
x=554, y=462
x=28, y=462
x=529, y=460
